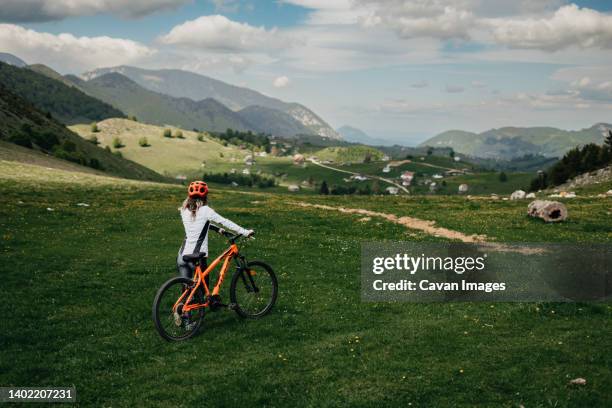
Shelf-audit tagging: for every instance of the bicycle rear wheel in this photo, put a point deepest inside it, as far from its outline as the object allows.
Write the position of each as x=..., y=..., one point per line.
x=254, y=290
x=174, y=325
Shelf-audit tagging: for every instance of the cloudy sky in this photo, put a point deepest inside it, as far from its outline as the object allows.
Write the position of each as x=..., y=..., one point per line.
x=399, y=70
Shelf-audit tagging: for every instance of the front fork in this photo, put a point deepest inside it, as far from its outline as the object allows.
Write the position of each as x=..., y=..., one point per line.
x=246, y=275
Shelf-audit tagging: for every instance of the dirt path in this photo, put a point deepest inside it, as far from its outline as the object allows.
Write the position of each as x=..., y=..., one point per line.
x=404, y=189
x=428, y=227
x=399, y=163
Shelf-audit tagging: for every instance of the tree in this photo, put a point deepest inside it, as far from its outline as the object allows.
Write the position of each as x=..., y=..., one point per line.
x=94, y=128
x=143, y=142
x=201, y=137
x=540, y=182
x=179, y=134
x=93, y=139
x=132, y=118
x=368, y=157
x=376, y=187
x=117, y=143
x=451, y=153
x=608, y=141
x=324, y=189
x=429, y=151
x=503, y=177
x=167, y=133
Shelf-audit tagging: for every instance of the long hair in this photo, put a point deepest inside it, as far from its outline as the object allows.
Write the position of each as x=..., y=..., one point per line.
x=193, y=204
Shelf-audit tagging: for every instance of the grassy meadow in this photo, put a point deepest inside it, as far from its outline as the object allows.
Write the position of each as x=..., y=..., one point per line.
x=78, y=283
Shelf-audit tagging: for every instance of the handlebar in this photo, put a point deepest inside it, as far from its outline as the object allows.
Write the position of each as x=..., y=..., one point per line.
x=234, y=237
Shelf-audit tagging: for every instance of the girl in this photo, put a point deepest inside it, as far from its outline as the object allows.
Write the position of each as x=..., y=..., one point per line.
x=197, y=219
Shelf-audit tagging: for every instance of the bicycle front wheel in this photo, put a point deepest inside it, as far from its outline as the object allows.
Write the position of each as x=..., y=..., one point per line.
x=254, y=290
x=171, y=322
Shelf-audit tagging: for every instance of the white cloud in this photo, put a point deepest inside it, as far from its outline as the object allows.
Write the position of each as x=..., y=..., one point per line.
x=324, y=12
x=210, y=63
x=281, y=82
x=219, y=33
x=420, y=84
x=436, y=19
x=478, y=84
x=49, y=10
x=569, y=26
x=67, y=52
x=592, y=84
x=227, y=6
x=454, y=88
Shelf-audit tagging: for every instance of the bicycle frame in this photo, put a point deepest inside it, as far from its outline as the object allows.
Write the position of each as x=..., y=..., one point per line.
x=200, y=276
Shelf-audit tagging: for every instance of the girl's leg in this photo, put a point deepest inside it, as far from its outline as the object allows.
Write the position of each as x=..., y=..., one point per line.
x=184, y=269
x=204, y=266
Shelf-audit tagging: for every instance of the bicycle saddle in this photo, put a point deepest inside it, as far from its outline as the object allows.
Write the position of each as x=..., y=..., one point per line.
x=194, y=257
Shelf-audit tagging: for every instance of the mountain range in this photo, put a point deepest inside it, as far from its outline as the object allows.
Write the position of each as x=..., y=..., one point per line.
x=512, y=142
x=23, y=124
x=159, y=109
x=52, y=95
x=183, y=84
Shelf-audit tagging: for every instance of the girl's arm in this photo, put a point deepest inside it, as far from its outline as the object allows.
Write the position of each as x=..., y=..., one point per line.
x=217, y=219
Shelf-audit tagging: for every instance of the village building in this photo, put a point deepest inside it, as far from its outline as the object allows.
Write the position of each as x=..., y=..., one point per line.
x=298, y=159
x=407, y=178
x=392, y=190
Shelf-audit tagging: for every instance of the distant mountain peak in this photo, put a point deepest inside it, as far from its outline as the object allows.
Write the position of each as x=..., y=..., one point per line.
x=12, y=60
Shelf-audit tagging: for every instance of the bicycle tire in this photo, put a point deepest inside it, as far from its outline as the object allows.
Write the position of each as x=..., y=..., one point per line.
x=157, y=316
x=241, y=310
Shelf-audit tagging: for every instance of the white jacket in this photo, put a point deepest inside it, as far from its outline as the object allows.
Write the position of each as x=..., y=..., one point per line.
x=196, y=229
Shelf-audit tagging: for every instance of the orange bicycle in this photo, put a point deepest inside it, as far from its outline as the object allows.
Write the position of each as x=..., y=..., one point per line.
x=178, y=309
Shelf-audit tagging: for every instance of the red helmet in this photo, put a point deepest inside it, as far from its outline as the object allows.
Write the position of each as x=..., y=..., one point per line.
x=197, y=189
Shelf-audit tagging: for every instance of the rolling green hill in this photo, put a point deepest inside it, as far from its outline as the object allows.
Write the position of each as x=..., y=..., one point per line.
x=355, y=153
x=50, y=73
x=160, y=109
x=512, y=142
x=67, y=104
x=169, y=156
x=23, y=124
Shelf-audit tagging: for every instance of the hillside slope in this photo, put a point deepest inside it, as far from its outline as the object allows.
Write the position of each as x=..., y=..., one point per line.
x=159, y=109
x=349, y=154
x=511, y=142
x=179, y=84
x=23, y=124
x=67, y=104
x=272, y=121
x=168, y=156
x=50, y=73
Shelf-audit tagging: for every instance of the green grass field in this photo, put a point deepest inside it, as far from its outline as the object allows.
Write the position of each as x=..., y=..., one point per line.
x=78, y=283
